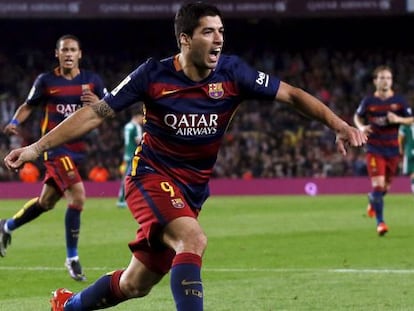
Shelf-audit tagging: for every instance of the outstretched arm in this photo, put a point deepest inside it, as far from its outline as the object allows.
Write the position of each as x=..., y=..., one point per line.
x=359, y=123
x=393, y=118
x=21, y=114
x=78, y=124
x=314, y=108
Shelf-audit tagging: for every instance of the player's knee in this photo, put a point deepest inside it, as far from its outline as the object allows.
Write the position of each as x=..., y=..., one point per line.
x=202, y=240
x=197, y=243
x=76, y=207
x=78, y=200
x=76, y=204
x=133, y=290
x=47, y=204
x=380, y=189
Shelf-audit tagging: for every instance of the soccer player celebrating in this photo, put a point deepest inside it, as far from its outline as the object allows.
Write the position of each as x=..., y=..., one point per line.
x=59, y=93
x=379, y=117
x=190, y=99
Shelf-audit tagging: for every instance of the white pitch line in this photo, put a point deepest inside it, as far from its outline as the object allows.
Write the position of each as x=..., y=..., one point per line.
x=43, y=268
x=235, y=270
x=397, y=271
x=281, y=270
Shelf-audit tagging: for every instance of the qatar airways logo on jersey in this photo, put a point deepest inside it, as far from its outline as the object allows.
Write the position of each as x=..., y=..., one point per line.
x=380, y=121
x=67, y=109
x=192, y=124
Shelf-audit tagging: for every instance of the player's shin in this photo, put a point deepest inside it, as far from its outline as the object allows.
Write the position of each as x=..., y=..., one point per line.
x=31, y=210
x=186, y=284
x=102, y=294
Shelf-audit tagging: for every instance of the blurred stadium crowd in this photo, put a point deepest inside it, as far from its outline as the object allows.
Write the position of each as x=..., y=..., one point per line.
x=265, y=140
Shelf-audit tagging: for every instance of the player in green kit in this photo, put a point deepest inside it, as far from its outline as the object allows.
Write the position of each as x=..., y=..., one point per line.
x=190, y=99
x=132, y=138
x=406, y=143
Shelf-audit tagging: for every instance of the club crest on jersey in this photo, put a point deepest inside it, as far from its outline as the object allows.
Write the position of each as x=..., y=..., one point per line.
x=394, y=106
x=177, y=203
x=215, y=90
x=71, y=174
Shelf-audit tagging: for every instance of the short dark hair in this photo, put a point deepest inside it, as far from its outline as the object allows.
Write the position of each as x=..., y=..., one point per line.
x=65, y=37
x=136, y=109
x=380, y=68
x=188, y=17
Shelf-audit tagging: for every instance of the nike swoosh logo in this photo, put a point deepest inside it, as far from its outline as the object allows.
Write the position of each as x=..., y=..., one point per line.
x=185, y=282
x=167, y=92
x=54, y=91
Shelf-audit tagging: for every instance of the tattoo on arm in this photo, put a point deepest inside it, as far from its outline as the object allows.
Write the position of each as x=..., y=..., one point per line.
x=103, y=110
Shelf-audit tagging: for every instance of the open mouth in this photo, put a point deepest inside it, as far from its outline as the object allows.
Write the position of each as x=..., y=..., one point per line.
x=214, y=54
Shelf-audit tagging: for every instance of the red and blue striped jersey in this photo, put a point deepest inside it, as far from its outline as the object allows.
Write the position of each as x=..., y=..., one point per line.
x=59, y=98
x=185, y=120
x=384, y=138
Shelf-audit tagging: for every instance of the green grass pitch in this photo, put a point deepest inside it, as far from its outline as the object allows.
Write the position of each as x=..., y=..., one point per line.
x=265, y=253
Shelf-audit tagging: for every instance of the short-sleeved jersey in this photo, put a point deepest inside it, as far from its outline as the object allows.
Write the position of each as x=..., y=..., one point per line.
x=186, y=120
x=132, y=134
x=384, y=138
x=59, y=98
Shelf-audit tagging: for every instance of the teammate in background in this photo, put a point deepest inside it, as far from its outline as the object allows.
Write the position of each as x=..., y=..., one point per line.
x=59, y=93
x=406, y=144
x=379, y=116
x=132, y=138
x=190, y=99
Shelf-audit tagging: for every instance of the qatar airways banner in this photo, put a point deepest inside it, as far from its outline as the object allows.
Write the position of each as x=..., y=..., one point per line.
x=144, y=9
